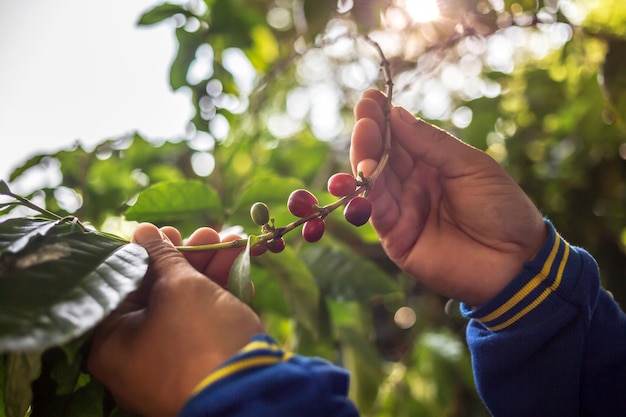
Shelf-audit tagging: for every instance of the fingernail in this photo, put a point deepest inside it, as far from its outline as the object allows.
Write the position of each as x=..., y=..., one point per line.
x=147, y=233
x=406, y=116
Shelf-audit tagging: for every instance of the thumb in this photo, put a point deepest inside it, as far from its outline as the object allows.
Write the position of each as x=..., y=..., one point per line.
x=165, y=261
x=162, y=255
x=432, y=145
x=156, y=243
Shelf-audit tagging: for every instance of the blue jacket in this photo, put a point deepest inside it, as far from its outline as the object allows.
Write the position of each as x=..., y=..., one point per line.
x=552, y=343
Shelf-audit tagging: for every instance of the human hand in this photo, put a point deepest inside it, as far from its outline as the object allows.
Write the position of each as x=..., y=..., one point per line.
x=175, y=329
x=445, y=212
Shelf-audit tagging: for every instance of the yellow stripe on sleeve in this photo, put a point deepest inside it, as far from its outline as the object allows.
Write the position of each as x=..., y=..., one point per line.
x=528, y=288
x=260, y=344
x=540, y=298
x=236, y=367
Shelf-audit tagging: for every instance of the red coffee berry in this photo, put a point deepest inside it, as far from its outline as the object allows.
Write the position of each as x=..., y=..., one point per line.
x=301, y=202
x=276, y=245
x=258, y=249
x=341, y=184
x=313, y=230
x=358, y=211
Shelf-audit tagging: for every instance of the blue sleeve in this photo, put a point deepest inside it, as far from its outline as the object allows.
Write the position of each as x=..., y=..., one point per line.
x=263, y=380
x=553, y=343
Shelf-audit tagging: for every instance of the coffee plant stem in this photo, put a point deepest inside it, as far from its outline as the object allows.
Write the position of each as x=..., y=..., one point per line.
x=278, y=232
x=26, y=203
x=365, y=185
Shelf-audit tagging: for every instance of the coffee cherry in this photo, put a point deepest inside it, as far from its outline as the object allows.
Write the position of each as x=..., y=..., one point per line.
x=276, y=245
x=358, y=211
x=313, y=229
x=301, y=202
x=258, y=249
x=341, y=184
x=260, y=213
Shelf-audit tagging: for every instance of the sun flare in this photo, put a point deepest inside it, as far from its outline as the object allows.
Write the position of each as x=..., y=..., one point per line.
x=422, y=10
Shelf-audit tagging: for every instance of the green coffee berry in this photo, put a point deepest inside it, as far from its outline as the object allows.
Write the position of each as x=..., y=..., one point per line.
x=260, y=213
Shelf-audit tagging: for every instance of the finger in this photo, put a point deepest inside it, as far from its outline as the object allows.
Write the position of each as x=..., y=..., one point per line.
x=377, y=96
x=202, y=236
x=368, y=108
x=173, y=235
x=144, y=234
x=220, y=265
x=162, y=255
x=367, y=142
x=384, y=206
x=147, y=232
x=434, y=146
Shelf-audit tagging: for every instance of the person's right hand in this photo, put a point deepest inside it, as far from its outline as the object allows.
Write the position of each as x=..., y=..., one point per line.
x=445, y=212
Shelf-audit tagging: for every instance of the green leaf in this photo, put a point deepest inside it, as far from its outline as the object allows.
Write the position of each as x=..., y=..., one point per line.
x=86, y=401
x=66, y=364
x=364, y=363
x=268, y=297
x=239, y=281
x=21, y=369
x=271, y=190
x=188, y=43
x=16, y=233
x=61, y=286
x=297, y=284
x=161, y=12
x=4, y=188
x=344, y=275
x=174, y=201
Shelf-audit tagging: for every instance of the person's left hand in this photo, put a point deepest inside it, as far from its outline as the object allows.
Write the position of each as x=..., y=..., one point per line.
x=175, y=329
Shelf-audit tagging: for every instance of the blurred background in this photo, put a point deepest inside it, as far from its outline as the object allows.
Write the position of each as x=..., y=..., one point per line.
x=82, y=71
x=253, y=99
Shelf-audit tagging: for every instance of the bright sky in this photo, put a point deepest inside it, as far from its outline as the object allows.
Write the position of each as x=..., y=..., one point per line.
x=76, y=70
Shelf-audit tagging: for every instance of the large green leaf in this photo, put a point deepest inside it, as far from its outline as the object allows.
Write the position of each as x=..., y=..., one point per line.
x=344, y=275
x=364, y=363
x=174, y=201
x=16, y=233
x=297, y=284
x=271, y=190
x=61, y=286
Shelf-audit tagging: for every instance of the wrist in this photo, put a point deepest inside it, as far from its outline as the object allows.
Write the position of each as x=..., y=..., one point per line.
x=523, y=297
x=541, y=235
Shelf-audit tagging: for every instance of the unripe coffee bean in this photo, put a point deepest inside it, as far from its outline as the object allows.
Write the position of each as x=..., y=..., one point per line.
x=260, y=213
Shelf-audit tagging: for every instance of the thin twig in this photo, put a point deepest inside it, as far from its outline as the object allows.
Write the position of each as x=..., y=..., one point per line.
x=24, y=202
x=364, y=184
